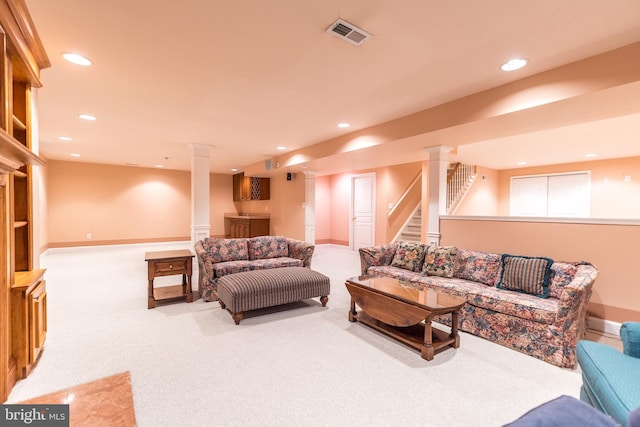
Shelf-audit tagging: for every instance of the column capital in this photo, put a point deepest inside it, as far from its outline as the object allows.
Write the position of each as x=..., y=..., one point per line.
x=439, y=152
x=200, y=150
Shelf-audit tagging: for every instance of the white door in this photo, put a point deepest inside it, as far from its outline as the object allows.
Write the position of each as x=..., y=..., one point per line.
x=363, y=207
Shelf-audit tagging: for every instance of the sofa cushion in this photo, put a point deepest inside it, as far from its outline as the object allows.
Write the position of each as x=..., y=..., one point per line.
x=529, y=275
x=229, y=267
x=264, y=247
x=562, y=273
x=221, y=250
x=477, y=266
x=409, y=255
x=610, y=378
x=516, y=304
x=395, y=272
x=268, y=263
x=630, y=335
x=439, y=261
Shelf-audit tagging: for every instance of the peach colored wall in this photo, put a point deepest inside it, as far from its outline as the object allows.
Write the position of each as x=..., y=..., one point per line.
x=220, y=201
x=611, y=248
x=287, y=211
x=252, y=206
x=482, y=198
x=340, y=194
x=119, y=204
x=391, y=182
x=611, y=196
x=323, y=209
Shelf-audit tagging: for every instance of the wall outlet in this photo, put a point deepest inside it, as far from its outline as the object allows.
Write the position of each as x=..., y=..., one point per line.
x=627, y=178
x=89, y=236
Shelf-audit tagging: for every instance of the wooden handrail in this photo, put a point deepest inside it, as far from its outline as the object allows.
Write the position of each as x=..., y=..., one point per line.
x=452, y=172
x=404, y=195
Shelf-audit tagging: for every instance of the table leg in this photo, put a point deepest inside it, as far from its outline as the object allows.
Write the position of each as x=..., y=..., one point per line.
x=352, y=311
x=188, y=291
x=151, y=302
x=454, y=330
x=427, y=350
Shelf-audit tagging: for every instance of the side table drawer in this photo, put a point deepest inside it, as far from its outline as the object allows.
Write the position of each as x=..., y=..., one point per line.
x=162, y=268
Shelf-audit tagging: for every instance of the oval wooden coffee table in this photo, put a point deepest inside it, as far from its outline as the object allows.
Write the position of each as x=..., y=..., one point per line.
x=403, y=311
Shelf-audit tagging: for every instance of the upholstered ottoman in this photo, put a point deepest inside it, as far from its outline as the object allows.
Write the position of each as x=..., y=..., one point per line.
x=250, y=290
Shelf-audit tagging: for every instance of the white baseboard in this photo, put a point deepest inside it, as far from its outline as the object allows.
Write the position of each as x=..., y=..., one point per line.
x=606, y=326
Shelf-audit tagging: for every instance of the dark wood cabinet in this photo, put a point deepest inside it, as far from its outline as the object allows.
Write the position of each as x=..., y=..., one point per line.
x=250, y=188
x=248, y=227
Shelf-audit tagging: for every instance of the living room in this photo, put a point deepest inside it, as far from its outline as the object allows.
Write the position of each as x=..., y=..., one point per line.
x=84, y=207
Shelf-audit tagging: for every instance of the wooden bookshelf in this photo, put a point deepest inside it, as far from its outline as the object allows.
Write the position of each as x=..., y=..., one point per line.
x=23, y=320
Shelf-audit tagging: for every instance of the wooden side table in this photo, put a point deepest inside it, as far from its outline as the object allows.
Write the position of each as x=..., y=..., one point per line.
x=169, y=263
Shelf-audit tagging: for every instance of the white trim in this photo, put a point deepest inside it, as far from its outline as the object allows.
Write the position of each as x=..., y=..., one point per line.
x=595, y=221
x=606, y=326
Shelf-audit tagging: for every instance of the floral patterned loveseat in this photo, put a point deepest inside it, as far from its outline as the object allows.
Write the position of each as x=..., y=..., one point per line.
x=218, y=257
x=531, y=304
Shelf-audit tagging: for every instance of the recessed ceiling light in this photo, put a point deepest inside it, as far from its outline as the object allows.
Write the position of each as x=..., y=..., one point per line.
x=281, y=147
x=74, y=58
x=522, y=163
x=514, y=64
x=343, y=125
x=234, y=170
x=87, y=117
x=64, y=138
x=159, y=166
x=591, y=155
x=74, y=155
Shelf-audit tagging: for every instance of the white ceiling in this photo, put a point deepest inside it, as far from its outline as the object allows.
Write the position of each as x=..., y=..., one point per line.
x=247, y=76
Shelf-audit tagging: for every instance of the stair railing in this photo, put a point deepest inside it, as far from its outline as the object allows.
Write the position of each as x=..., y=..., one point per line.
x=411, y=187
x=458, y=180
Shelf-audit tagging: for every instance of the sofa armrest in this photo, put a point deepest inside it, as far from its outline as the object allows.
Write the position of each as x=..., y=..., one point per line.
x=376, y=255
x=630, y=336
x=205, y=270
x=572, y=312
x=299, y=249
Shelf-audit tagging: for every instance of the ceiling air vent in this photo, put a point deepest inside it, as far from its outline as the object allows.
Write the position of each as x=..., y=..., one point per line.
x=348, y=32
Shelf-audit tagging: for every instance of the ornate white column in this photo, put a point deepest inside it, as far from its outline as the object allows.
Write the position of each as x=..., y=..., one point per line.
x=310, y=207
x=437, y=190
x=200, y=223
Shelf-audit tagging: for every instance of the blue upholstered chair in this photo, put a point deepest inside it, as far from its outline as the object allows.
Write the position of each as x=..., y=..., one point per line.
x=611, y=380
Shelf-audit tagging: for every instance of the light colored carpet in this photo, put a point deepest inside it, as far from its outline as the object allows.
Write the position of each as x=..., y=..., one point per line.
x=190, y=365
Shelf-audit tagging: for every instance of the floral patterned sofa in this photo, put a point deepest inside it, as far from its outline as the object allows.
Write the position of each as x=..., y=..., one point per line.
x=531, y=304
x=218, y=257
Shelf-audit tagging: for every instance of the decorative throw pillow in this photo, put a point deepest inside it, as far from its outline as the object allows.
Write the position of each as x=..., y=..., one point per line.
x=440, y=260
x=481, y=267
x=529, y=275
x=264, y=247
x=409, y=255
x=221, y=250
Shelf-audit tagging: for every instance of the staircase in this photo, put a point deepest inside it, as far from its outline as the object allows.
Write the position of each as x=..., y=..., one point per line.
x=413, y=228
x=460, y=177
